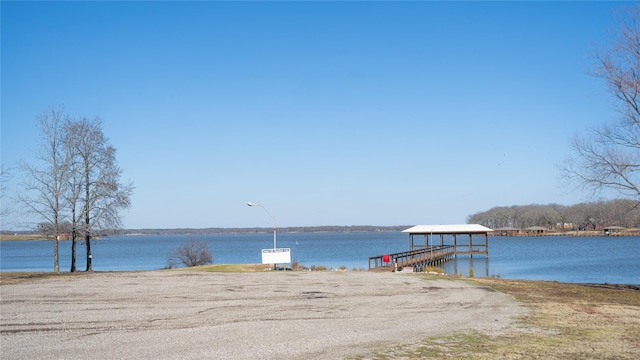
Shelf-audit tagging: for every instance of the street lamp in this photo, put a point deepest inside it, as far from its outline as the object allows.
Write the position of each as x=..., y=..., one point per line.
x=273, y=217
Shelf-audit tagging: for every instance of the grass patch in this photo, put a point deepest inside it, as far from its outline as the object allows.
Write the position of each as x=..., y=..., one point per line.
x=229, y=268
x=9, y=278
x=7, y=237
x=564, y=321
x=433, y=269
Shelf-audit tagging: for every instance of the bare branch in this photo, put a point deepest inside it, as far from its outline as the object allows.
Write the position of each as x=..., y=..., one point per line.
x=76, y=183
x=608, y=156
x=192, y=253
x=46, y=181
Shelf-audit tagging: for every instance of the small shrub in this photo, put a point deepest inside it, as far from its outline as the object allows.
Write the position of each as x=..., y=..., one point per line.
x=343, y=268
x=191, y=253
x=470, y=272
x=433, y=269
x=296, y=266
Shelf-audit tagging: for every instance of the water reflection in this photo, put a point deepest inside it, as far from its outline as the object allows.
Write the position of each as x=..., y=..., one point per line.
x=463, y=265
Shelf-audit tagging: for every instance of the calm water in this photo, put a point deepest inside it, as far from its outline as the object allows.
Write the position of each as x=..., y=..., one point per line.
x=613, y=260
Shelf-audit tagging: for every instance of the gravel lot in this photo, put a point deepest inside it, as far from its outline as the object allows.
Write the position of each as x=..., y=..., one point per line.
x=261, y=315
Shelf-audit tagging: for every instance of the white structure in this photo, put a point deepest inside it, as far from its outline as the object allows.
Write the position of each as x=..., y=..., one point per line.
x=448, y=229
x=273, y=256
x=460, y=248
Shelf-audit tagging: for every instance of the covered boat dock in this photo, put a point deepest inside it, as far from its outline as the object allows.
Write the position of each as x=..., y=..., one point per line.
x=460, y=247
x=449, y=241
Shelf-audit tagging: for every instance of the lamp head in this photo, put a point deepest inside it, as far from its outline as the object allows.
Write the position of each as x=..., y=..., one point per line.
x=251, y=204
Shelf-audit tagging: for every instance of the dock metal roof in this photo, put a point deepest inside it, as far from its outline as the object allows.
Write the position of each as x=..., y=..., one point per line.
x=448, y=229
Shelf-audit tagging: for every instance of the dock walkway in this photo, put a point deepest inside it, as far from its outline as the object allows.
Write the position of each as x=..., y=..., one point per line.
x=416, y=259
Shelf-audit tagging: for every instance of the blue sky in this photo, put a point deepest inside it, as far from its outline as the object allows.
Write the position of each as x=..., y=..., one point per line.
x=326, y=113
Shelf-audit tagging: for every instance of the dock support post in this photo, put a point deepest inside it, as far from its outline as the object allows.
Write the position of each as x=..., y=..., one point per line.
x=486, y=245
x=455, y=247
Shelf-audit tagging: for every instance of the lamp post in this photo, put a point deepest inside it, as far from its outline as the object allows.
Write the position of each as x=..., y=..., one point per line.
x=273, y=217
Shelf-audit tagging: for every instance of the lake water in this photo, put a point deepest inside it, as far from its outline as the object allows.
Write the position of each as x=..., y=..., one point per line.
x=614, y=260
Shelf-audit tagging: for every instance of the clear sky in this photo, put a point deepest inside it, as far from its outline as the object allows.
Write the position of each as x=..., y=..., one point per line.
x=326, y=113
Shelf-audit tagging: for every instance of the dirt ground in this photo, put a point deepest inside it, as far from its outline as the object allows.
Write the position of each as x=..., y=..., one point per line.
x=260, y=315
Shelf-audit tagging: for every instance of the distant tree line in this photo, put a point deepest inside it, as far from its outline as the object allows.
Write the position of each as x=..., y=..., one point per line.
x=583, y=216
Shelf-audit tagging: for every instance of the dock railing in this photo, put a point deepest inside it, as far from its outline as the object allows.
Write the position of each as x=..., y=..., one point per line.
x=413, y=258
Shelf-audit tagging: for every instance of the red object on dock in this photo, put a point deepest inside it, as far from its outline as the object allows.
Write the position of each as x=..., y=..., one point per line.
x=386, y=258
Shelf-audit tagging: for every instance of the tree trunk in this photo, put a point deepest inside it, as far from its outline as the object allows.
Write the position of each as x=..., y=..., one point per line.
x=73, y=248
x=73, y=253
x=87, y=236
x=56, y=237
x=88, y=243
x=87, y=240
x=56, y=266
x=74, y=236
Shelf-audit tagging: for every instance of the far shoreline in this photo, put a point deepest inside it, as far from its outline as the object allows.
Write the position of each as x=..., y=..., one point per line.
x=10, y=235
x=28, y=235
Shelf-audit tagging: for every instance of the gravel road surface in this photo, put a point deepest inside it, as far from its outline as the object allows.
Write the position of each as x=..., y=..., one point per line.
x=261, y=315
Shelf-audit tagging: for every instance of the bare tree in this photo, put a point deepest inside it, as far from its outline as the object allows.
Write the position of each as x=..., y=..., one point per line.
x=75, y=186
x=192, y=253
x=74, y=189
x=45, y=183
x=103, y=195
x=5, y=176
x=608, y=156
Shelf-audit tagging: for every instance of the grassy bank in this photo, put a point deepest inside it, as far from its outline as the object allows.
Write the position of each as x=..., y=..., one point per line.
x=20, y=237
x=564, y=321
x=229, y=268
x=19, y=277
